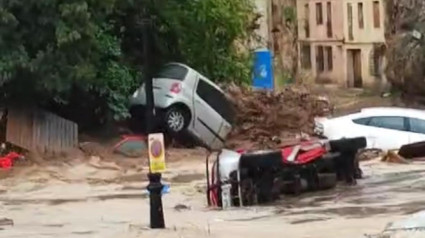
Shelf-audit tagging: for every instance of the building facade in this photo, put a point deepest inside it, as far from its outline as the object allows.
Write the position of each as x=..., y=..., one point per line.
x=342, y=41
x=263, y=8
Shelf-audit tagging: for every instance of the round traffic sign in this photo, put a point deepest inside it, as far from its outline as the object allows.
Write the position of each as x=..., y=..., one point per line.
x=156, y=149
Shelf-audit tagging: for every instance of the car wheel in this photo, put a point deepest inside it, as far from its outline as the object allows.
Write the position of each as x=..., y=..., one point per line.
x=176, y=120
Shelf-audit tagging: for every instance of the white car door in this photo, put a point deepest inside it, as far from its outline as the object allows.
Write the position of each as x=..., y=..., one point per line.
x=388, y=132
x=207, y=122
x=416, y=130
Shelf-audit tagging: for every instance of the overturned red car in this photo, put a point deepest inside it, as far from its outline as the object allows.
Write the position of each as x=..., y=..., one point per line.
x=248, y=178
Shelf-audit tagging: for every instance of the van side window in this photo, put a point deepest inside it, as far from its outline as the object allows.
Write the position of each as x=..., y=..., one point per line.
x=388, y=122
x=216, y=100
x=417, y=125
x=173, y=71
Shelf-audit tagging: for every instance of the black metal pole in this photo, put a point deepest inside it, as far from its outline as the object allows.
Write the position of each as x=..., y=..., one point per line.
x=207, y=171
x=155, y=186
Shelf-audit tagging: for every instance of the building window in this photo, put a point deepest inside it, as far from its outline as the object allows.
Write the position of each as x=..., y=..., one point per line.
x=320, y=61
x=307, y=20
x=329, y=19
x=376, y=15
x=361, y=17
x=350, y=21
x=329, y=57
x=319, y=13
x=306, y=56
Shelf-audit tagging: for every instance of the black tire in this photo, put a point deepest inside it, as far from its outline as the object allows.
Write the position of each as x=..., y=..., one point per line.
x=344, y=145
x=327, y=181
x=414, y=150
x=176, y=120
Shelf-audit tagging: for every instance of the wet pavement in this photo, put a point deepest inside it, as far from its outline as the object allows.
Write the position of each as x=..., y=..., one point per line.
x=41, y=206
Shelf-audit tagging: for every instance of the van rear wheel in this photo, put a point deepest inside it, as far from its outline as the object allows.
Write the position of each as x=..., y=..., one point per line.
x=176, y=120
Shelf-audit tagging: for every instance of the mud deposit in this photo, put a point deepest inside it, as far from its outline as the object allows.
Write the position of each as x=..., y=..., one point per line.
x=64, y=202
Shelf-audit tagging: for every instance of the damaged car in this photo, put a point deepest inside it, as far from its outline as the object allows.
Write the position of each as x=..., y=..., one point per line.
x=188, y=105
x=247, y=178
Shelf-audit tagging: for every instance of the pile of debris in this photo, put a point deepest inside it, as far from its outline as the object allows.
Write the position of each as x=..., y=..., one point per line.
x=264, y=119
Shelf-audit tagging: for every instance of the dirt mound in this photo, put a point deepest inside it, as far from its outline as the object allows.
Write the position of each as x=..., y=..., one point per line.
x=264, y=119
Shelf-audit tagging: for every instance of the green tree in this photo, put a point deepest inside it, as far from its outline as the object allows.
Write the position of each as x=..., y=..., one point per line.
x=82, y=57
x=206, y=35
x=48, y=48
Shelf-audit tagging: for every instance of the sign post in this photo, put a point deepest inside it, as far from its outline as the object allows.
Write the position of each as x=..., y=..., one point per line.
x=156, y=147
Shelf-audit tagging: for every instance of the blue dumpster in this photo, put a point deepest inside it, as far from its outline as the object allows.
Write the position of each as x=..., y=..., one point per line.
x=263, y=70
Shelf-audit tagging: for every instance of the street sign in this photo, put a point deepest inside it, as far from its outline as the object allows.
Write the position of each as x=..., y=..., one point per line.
x=263, y=70
x=156, y=153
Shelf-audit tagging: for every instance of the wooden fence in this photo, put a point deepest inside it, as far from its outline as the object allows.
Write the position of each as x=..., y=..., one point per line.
x=41, y=131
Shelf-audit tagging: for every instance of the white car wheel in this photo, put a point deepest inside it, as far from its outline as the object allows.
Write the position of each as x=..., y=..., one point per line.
x=175, y=120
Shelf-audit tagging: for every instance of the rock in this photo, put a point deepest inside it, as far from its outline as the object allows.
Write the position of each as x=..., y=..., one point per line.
x=181, y=207
x=393, y=157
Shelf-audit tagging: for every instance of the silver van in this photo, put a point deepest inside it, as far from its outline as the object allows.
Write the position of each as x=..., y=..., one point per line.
x=187, y=102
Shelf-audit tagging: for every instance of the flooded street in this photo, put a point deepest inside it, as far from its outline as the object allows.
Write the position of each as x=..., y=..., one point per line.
x=78, y=200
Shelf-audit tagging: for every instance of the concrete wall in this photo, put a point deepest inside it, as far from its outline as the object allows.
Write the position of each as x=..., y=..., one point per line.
x=369, y=33
x=319, y=32
x=340, y=21
x=336, y=74
x=369, y=81
x=263, y=8
x=364, y=39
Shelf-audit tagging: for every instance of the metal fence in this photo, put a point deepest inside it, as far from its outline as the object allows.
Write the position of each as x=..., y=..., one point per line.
x=41, y=131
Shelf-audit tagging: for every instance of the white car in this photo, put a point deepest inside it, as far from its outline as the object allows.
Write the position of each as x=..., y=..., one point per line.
x=187, y=102
x=386, y=128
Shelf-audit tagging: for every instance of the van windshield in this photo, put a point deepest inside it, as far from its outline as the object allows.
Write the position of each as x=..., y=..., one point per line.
x=173, y=71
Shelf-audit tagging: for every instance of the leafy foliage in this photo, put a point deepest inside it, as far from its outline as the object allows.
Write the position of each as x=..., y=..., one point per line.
x=56, y=52
x=206, y=32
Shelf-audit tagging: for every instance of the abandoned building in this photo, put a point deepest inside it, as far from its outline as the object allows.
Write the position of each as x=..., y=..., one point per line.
x=342, y=41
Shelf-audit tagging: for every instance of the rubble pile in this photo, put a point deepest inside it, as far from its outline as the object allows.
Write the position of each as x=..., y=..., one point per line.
x=264, y=119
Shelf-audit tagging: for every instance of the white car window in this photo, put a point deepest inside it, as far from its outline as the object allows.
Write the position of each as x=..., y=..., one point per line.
x=362, y=121
x=173, y=71
x=417, y=125
x=216, y=100
x=393, y=123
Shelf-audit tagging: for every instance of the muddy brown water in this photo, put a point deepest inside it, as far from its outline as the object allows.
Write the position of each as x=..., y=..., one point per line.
x=47, y=210
x=187, y=178
x=392, y=193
